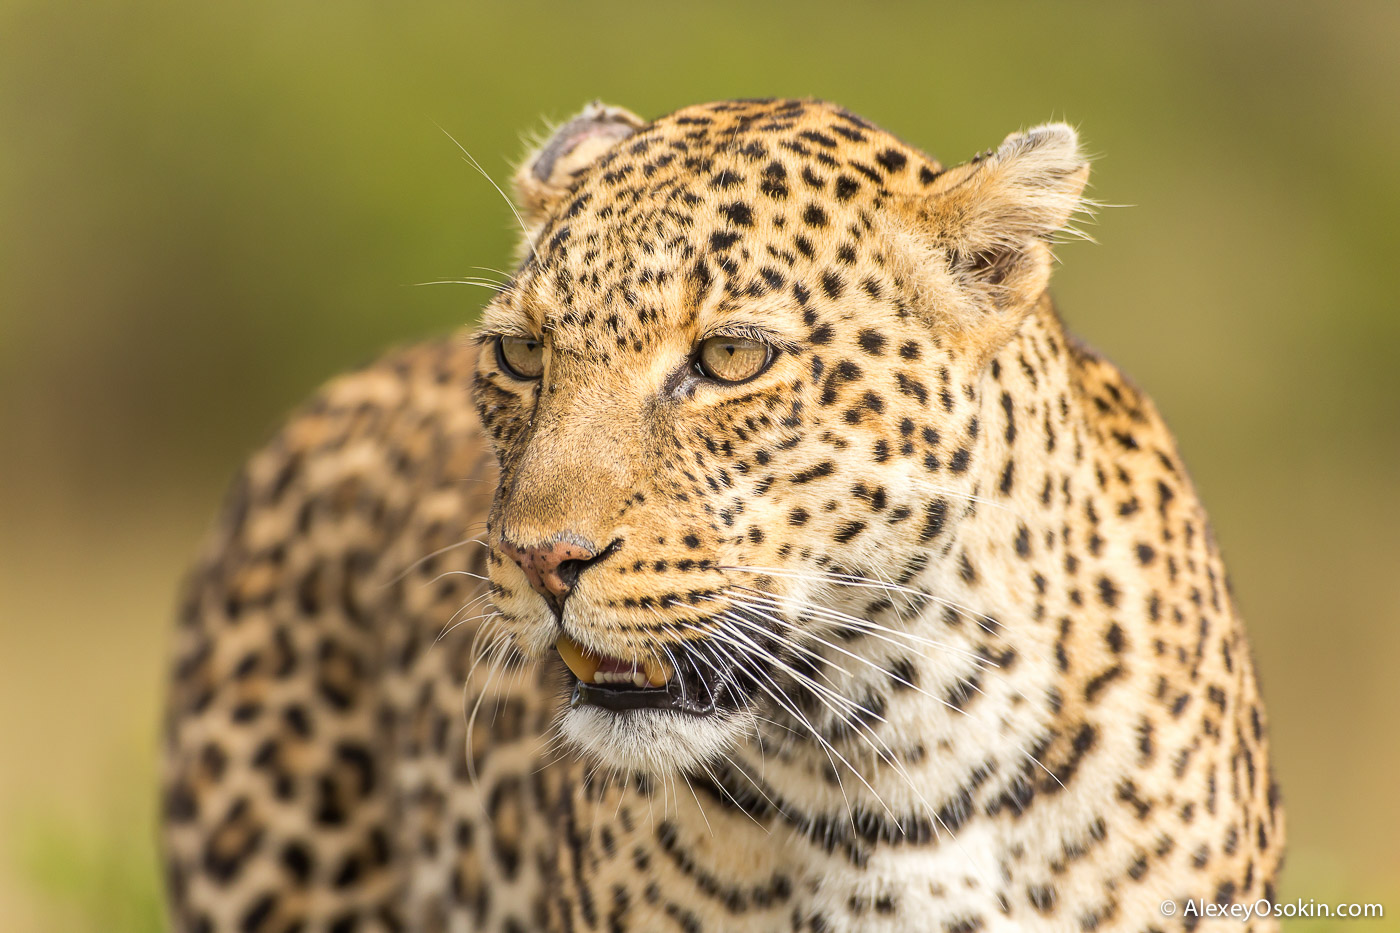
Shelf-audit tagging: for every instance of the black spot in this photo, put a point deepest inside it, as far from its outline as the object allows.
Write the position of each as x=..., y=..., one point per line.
x=891, y=160
x=297, y=860
x=935, y=514
x=738, y=213
x=846, y=187
x=1009, y=407
x=814, y=216
x=774, y=183
x=1007, y=477
x=1042, y=897
x=1108, y=592
x=258, y=913
x=848, y=531
x=722, y=239
x=350, y=872
x=912, y=387
x=345, y=923
x=825, y=468
x=872, y=342
x=1101, y=680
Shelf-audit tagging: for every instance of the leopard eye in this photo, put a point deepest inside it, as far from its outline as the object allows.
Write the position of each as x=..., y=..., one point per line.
x=733, y=359
x=521, y=357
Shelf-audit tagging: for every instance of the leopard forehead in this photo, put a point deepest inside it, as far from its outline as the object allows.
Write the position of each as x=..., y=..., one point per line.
x=749, y=204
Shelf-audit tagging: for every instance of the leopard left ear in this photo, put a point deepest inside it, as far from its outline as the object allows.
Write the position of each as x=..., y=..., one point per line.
x=992, y=221
x=547, y=173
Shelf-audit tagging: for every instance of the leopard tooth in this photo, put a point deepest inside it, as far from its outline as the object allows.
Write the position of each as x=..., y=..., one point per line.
x=657, y=672
x=583, y=663
x=639, y=679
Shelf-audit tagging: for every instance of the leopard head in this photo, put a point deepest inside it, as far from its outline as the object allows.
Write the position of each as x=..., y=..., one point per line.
x=731, y=377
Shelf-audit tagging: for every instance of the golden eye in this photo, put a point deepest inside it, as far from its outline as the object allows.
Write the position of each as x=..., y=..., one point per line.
x=733, y=359
x=521, y=357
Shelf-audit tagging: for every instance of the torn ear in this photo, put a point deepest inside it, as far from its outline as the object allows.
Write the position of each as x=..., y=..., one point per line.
x=994, y=218
x=548, y=172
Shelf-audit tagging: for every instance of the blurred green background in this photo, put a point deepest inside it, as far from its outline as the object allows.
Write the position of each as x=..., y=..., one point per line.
x=207, y=209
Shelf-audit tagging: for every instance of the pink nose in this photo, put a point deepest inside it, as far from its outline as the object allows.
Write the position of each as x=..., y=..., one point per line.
x=552, y=568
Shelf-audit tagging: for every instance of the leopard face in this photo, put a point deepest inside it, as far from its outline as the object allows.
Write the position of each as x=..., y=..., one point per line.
x=734, y=375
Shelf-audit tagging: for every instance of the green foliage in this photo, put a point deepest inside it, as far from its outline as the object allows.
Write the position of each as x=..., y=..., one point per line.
x=100, y=876
x=97, y=880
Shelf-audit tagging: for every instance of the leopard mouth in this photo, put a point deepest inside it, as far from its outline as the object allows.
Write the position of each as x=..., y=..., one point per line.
x=621, y=686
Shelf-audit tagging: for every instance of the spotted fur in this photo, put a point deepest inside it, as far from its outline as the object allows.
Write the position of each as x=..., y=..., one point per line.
x=982, y=664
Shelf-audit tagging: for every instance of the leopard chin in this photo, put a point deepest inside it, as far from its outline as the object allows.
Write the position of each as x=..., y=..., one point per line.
x=650, y=716
x=654, y=742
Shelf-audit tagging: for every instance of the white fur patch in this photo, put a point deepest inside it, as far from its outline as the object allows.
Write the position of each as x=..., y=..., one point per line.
x=652, y=741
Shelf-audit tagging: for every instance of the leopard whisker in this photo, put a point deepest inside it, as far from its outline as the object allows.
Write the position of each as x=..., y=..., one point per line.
x=826, y=662
x=879, y=669
x=889, y=757
x=480, y=283
x=824, y=610
x=717, y=783
x=876, y=667
x=453, y=623
x=854, y=581
x=484, y=174
x=822, y=693
x=825, y=746
x=698, y=805
x=427, y=557
x=457, y=573
x=492, y=670
x=940, y=700
x=875, y=629
x=869, y=736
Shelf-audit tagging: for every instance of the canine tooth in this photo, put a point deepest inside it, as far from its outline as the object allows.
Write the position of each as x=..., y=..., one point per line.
x=639, y=679
x=657, y=673
x=582, y=663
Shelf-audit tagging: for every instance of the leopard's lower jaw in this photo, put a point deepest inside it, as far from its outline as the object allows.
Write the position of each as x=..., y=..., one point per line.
x=625, y=696
x=652, y=741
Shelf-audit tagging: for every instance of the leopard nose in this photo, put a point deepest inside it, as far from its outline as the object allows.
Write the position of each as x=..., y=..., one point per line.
x=553, y=568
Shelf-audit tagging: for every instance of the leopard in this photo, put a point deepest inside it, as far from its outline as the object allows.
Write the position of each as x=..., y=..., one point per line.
x=768, y=556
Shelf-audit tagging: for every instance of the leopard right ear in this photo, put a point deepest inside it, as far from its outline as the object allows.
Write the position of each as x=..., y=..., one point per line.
x=548, y=172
